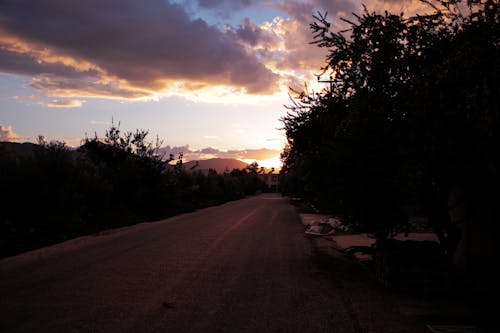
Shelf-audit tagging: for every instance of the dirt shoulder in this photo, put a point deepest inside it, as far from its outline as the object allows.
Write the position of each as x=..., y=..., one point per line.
x=348, y=261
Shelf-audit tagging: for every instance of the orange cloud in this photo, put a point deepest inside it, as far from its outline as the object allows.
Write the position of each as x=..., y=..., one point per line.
x=159, y=45
x=68, y=103
x=144, y=50
x=7, y=134
x=86, y=86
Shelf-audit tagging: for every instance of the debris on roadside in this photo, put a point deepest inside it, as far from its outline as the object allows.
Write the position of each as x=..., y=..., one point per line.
x=321, y=229
x=324, y=227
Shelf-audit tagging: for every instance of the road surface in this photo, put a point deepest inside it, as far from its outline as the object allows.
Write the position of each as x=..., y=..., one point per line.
x=241, y=267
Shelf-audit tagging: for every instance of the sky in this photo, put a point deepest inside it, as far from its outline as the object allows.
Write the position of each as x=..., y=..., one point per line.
x=210, y=78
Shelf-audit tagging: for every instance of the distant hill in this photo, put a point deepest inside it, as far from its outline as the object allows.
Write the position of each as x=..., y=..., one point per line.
x=27, y=149
x=217, y=164
x=20, y=149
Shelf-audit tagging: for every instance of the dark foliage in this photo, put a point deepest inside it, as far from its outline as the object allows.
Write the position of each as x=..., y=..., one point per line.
x=56, y=193
x=411, y=115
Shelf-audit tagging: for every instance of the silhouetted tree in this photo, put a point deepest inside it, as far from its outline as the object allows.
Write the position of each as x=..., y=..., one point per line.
x=114, y=181
x=412, y=113
x=253, y=167
x=133, y=166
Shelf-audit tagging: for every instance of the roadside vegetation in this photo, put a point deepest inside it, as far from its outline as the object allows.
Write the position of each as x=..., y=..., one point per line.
x=411, y=119
x=56, y=193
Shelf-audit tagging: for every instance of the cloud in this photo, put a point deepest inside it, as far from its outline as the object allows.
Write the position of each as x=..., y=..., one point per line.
x=122, y=48
x=229, y=4
x=209, y=152
x=408, y=7
x=85, y=87
x=67, y=103
x=283, y=45
x=250, y=33
x=302, y=11
x=7, y=134
x=59, y=75
x=225, y=8
x=259, y=154
x=28, y=97
x=176, y=150
x=144, y=49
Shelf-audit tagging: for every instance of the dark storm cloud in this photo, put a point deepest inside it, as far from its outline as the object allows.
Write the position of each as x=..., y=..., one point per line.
x=56, y=78
x=252, y=34
x=231, y=4
x=145, y=43
x=26, y=64
x=83, y=86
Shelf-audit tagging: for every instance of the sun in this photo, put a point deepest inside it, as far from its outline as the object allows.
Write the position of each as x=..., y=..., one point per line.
x=273, y=162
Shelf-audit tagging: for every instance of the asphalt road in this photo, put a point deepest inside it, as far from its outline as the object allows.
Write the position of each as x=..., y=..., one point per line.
x=241, y=267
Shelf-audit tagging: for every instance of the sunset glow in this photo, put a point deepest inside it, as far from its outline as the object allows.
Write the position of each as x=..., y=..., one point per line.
x=274, y=162
x=195, y=73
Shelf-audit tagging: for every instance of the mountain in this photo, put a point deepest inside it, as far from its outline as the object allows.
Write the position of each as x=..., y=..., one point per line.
x=27, y=149
x=20, y=149
x=217, y=164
